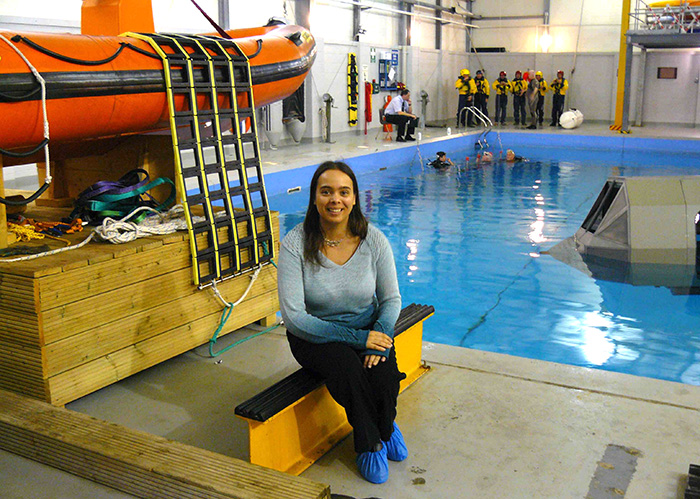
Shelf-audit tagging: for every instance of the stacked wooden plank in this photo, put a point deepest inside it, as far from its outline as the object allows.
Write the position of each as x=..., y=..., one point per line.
x=75, y=322
x=135, y=462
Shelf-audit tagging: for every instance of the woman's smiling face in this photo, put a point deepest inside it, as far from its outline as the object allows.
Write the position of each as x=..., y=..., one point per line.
x=335, y=197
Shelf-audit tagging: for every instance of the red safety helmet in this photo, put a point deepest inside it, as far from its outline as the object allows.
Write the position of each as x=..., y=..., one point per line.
x=560, y=73
x=518, y=73
x=502, y=75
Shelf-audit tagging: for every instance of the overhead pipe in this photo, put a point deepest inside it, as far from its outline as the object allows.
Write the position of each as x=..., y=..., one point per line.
x=507, y=18
x=398, y=11
x=438, y=6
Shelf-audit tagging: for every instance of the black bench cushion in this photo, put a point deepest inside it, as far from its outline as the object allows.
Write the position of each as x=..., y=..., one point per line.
x=282, y=394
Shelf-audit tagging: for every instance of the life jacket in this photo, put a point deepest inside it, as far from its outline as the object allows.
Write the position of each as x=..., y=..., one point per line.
x=439, y=165
x=465, y=86
x=482, y=86
x=543, y=86
x=560, y=88
x=502, y=86
x=518, y=85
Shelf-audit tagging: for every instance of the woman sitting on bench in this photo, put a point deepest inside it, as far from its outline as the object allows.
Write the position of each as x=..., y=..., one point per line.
x=339, y=298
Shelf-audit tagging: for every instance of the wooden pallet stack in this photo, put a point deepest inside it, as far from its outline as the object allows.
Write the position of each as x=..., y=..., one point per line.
x=78, y=321
x=135, y=462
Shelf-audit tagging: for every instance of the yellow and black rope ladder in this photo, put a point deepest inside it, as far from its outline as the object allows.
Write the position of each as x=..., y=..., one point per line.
x=217, y=160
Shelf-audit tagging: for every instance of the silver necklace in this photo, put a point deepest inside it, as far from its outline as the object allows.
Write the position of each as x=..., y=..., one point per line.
x=332, y=243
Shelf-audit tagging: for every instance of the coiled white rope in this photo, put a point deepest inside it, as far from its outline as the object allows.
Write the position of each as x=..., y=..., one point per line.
x=123, y=231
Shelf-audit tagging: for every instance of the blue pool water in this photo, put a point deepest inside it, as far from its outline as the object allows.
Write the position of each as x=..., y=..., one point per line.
x=469, y=243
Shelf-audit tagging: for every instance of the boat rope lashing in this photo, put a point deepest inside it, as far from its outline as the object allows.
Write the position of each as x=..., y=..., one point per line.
x=117, y=199
x=352, y=89
x=73, y=60
x=65, y=58
x=44, y=143
x=219, y=173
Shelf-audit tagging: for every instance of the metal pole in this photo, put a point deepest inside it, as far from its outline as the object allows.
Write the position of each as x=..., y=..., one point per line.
x=438, y=27
x=622, y=63
x=469, y=31
x=628, y=85
x=224, y=19
x=302, y=9
x=641, y=77
x=329, y=103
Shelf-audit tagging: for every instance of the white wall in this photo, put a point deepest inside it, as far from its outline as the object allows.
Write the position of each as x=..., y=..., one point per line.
x=584, y=45
x=64, y=10
x=596, y=29
x=674, y=101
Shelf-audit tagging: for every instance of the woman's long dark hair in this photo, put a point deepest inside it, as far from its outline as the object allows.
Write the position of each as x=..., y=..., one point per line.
x=313, y=235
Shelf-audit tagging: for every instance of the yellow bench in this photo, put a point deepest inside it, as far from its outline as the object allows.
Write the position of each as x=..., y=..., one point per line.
x=296, y=421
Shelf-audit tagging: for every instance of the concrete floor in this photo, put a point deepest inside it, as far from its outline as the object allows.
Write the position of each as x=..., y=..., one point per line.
x=479, y=425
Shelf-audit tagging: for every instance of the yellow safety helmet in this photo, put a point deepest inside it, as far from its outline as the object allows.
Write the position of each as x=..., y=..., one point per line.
x=538, y=73
x=464, y=72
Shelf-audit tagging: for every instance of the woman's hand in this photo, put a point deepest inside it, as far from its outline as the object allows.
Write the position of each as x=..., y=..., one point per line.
x=378, y=341
x=372, y=360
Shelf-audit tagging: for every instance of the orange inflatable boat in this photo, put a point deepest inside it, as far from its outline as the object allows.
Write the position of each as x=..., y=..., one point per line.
x=105, y=86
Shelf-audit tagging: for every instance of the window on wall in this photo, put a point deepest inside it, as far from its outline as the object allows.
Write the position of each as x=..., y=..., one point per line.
x=666, y=73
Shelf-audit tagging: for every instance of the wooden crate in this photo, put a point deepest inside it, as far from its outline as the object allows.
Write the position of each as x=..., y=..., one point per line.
x=78, y=321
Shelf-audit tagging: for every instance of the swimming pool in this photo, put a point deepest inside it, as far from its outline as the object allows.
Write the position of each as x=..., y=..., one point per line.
x=469, y=242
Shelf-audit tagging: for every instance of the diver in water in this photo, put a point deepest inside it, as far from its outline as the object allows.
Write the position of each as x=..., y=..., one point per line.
x=487, y=157
x=442, y=162
x=512, y=158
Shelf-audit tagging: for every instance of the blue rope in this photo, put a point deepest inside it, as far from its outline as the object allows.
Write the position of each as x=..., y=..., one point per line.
x=226, y=313
x=212, y=341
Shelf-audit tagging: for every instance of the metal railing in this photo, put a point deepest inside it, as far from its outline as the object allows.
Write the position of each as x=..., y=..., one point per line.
x=680, y=18
x=485, y=121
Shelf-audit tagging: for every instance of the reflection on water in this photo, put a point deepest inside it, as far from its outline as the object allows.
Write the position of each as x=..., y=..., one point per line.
x=469, y=242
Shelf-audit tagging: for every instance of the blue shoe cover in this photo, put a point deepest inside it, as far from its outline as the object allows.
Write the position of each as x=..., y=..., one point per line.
x=396, y=447
x=373, y=466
